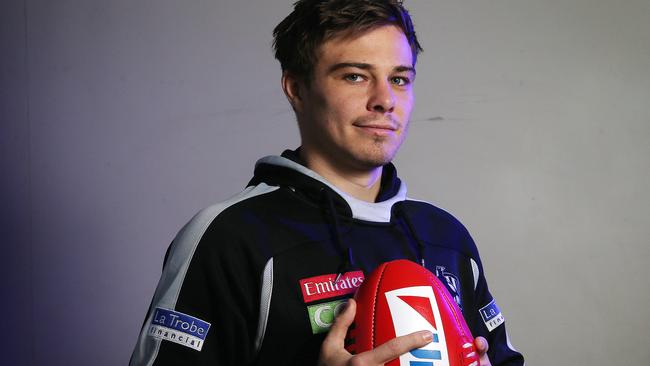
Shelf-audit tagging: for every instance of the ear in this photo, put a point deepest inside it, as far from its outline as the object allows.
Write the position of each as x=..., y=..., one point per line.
x=291, y=86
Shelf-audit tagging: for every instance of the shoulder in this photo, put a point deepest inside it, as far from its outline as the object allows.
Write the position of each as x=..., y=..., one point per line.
x=439, y=227
x=215, y=226
x=236, y=203
x=428, y=209
x=432, y=215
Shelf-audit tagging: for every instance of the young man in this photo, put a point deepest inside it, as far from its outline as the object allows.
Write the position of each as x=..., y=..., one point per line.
x=258, y=279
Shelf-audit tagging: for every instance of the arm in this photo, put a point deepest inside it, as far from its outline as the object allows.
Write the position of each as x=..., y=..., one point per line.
x=490, y=329
x=198, y=314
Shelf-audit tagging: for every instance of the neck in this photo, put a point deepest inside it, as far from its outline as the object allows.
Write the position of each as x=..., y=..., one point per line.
x=358, y=183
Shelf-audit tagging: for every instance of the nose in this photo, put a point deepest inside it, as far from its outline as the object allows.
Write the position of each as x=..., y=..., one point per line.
x=382, y=98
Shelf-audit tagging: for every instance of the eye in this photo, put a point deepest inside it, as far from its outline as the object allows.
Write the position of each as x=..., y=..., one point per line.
x=400, y=81
x=354, y=78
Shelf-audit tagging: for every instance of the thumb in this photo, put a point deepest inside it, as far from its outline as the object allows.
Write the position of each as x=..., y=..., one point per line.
x=481, y=345
x=339, y=329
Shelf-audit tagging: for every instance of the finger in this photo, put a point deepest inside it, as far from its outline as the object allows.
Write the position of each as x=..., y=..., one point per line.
x=398, y=346
x=333, y=347
x=481, y=345
x=339, y=329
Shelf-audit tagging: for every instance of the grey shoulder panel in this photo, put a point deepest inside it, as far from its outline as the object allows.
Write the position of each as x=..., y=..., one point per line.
x=178, y=261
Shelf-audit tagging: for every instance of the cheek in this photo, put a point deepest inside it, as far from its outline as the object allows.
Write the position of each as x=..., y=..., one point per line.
x=342, y=110
x=407, y=102
x=403, y=113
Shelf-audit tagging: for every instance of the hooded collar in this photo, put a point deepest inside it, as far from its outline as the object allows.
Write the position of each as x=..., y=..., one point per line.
x=288, y=170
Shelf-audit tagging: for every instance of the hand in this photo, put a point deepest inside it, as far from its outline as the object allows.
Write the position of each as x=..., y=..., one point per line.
x=333, y=351
x=482, y=346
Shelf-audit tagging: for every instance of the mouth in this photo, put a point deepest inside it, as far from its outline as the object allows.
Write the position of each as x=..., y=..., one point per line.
x=381, y=127
x=378, y=127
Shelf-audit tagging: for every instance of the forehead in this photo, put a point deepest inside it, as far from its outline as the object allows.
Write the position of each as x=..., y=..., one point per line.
x=384, y=46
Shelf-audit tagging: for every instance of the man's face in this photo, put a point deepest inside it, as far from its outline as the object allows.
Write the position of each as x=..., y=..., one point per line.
x=355, y=111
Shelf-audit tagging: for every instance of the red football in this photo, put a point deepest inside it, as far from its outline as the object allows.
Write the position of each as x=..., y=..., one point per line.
x=401, y=297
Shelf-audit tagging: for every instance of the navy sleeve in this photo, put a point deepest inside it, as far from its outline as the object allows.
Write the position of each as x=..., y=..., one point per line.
x=205, y=309
x=491, y=325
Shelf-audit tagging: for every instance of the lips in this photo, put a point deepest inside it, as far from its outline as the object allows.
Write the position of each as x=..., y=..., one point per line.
x=378, y=127
x=387, y=125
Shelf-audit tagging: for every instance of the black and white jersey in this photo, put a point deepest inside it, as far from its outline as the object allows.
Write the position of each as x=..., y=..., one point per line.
x=258, y=279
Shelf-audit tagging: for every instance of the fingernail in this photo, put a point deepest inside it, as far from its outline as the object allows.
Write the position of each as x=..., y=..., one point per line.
x=345, y=306
x=427, y=336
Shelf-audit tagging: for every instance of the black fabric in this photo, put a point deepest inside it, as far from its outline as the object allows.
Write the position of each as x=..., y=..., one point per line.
x=308, y=230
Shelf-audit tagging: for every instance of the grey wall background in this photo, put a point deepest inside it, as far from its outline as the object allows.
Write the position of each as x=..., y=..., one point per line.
x=121, y=119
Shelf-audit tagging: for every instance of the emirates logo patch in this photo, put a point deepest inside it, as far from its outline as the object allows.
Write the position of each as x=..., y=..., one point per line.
x=326, y=286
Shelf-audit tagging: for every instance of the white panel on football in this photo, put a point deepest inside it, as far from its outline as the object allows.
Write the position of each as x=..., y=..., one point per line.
x=407, y=320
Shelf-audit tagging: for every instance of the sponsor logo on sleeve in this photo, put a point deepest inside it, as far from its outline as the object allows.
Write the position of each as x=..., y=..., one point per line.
x=326, y=286
x=412, y=309
x=491, y=315
x=321, y=316
x=179, y=328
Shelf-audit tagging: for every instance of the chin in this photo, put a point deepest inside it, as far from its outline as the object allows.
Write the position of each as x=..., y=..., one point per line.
x=375, y=159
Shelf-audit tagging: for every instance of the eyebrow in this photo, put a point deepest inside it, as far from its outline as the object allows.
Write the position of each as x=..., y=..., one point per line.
x=364, y=66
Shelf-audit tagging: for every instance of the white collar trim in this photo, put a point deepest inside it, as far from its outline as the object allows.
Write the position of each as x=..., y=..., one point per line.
x=362, y=210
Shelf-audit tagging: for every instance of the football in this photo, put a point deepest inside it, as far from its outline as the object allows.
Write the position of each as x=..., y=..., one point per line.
x=401, y=297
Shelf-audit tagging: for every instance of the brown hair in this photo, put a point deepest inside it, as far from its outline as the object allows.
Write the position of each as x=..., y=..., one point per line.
x=312, y=22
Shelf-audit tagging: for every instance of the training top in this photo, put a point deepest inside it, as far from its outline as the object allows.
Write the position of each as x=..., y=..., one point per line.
x=258, y=279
